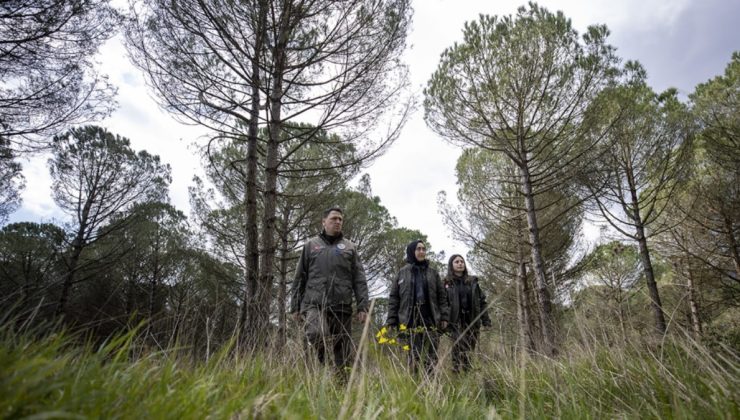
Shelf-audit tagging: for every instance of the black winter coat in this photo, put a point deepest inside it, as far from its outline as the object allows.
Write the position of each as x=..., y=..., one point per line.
x=401, y=297
x=479, y=311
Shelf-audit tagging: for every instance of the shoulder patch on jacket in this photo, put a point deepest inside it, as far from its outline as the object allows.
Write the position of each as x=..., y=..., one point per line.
x=315, y=244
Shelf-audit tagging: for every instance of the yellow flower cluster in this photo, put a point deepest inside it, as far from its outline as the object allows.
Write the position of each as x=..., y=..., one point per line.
x=383, y=337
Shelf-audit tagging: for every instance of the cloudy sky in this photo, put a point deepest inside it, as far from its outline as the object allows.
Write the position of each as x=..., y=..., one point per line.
x=679, y=42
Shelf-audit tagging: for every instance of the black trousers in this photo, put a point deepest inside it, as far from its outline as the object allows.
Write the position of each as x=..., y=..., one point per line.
x=465, y=338
x=326, y=329
x=423, y=347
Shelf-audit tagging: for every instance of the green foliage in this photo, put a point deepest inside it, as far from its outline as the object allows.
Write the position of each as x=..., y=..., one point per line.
x=516, y=80
x=143, y=258
x=30, y=264
x=716, y=103
x=96, y=175
x=494, y=210
x=702, y=240
x=647, y=155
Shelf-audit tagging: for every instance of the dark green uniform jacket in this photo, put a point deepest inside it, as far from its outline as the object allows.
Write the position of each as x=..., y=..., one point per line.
x=401, y=297
x=479, y=311
x=327, y=276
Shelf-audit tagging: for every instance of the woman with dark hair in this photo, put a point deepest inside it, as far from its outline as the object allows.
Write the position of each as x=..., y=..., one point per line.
x=418, y=305
x=468, y=310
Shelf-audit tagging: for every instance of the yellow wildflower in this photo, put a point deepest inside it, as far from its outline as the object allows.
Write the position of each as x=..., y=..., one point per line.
x=402, y=327
x=406, y=348
x=392, y=341
x=381, y=333
x=382, y=340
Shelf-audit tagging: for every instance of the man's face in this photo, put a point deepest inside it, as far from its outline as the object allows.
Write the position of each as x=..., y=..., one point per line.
x=420, y=252
x=332, y=223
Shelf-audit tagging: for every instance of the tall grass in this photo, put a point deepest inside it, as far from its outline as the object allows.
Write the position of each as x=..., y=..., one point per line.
x=54, y=376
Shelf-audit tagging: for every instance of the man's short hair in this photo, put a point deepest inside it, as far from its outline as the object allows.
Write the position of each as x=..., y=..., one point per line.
x=331, y=209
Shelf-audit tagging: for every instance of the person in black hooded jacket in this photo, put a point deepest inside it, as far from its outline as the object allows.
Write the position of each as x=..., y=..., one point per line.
x=468, y=310
x=418, y=304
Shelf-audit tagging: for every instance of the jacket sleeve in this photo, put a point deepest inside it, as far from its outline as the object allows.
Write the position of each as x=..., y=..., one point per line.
x=442, y=301
x=485, y=319
x=359, y=284
x=394, y=300
x=299, y=281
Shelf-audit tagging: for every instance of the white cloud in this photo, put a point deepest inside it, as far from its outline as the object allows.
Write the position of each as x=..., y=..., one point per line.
x=36, y=196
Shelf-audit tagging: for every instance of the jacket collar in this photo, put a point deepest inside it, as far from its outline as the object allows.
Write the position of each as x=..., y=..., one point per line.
x=331, y=240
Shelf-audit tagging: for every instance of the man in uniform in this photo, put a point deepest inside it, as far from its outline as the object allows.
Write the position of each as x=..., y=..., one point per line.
x=328, y=275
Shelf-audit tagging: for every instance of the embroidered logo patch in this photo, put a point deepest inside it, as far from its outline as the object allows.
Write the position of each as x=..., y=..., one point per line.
x=341, y=246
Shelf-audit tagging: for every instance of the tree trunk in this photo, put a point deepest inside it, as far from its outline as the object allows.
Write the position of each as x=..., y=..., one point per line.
x=130, y=292
x=69, y=277
x=522, y=289
x=543, y=294
x=156, y=269
x=77, y=246
x=733, y=246
x=282, y=288
x=693, y=305
x=271, y=173
x=525, y=330
x=652, y=286
x=647, y=265
x=251, y=254
x=28, y=285
x=620, y=312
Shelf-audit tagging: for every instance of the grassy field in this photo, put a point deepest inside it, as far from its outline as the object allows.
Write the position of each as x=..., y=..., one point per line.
x=54, y=376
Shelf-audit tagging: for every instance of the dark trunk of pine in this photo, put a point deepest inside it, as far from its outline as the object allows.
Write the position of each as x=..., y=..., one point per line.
x=251, y=258
x=282, y=288
x=647, y=265
x=271, y=172
x=523, y=308
x=69, y=277
x=538, y=265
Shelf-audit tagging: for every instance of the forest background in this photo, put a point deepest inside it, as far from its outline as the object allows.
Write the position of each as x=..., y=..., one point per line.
x=533, y=133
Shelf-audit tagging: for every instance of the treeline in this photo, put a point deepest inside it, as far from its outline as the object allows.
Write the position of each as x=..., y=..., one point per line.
x=556, y=130
x=127, y=255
